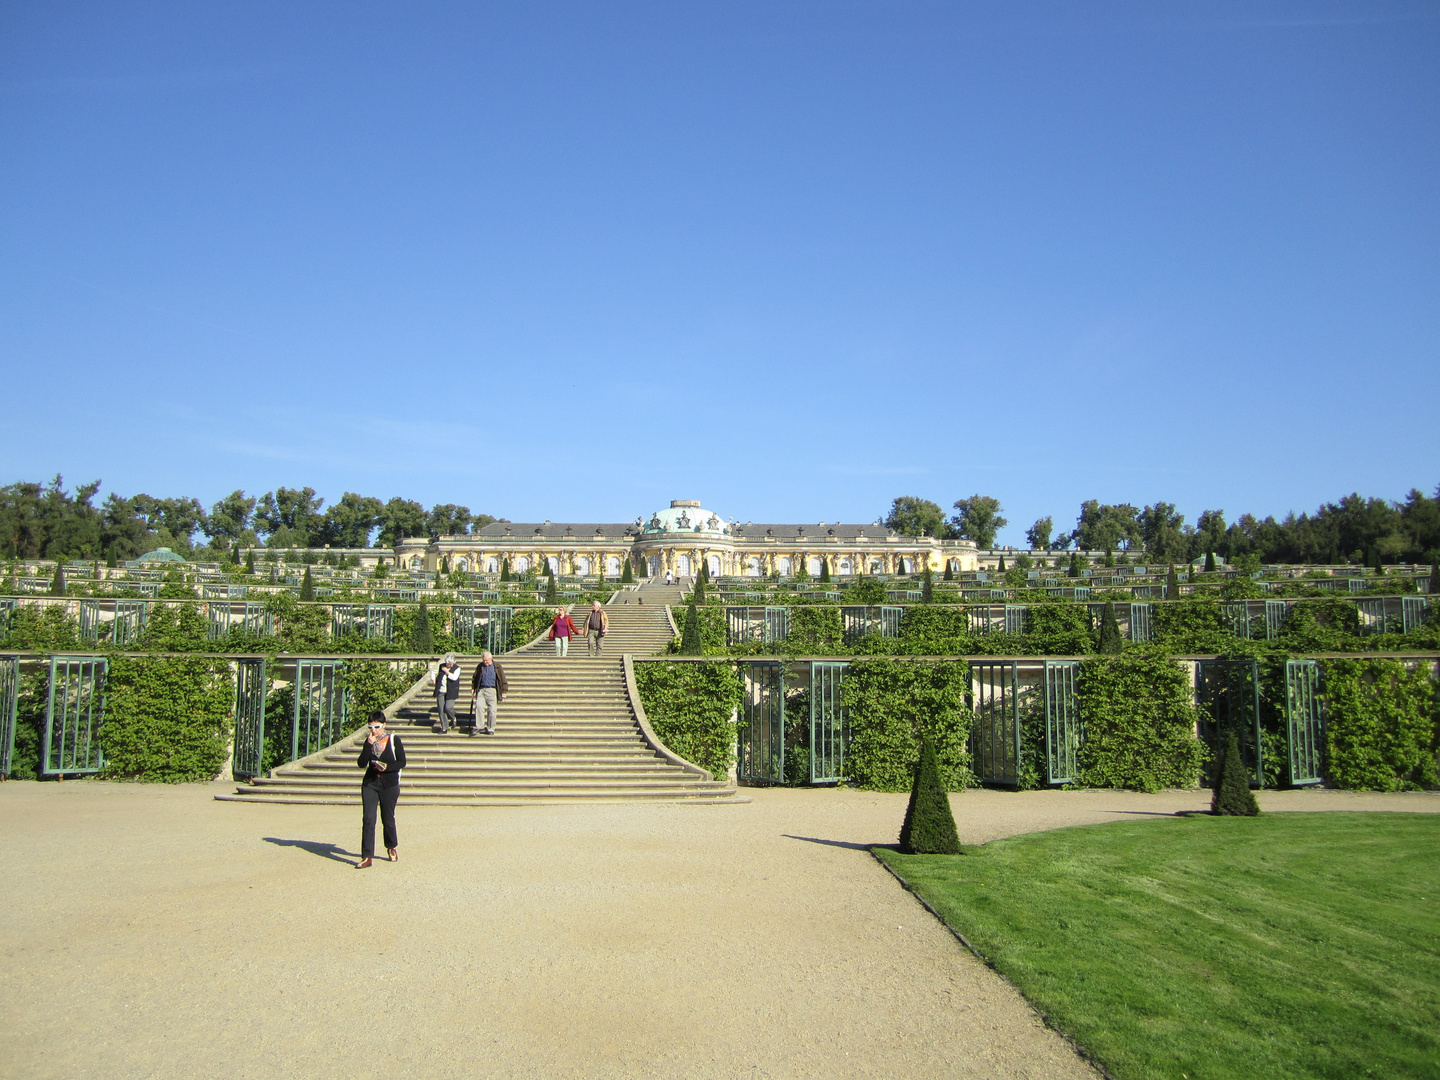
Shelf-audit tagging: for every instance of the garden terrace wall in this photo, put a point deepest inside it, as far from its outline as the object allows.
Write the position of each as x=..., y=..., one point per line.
x=1137, y=718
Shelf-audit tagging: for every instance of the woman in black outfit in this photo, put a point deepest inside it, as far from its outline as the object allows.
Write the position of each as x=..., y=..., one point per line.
x=382, y=756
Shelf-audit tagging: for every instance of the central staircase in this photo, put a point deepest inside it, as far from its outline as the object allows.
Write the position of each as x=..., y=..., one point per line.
x=567, y=732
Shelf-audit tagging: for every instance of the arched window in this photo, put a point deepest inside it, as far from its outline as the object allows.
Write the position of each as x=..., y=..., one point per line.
x=521, y=564
x=714, y=566
x=846, y=568
x=582, y=566
x=813, y=566
x=877, y=566
x=462, y=564
x=416, y=562
x=782, y=565
x=682, y=566
x=612, y=566
x=654, y=566
x=907, y=566
x=553, y=563
x=492, y=565
x=752, y=566
x=955, y=565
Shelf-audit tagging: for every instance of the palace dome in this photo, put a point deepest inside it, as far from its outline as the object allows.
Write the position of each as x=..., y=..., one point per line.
x=684, y=516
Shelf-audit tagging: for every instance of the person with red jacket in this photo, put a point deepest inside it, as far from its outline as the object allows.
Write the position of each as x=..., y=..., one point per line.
x=561, y=631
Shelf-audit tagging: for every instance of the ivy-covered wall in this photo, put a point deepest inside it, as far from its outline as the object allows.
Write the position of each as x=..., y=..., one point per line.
x=1383, y=726
x=167, y=719
x=1139, y=718
x=690, y=706
x=889, y=705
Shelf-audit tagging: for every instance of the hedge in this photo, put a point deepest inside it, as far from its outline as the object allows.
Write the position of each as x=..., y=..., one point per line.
x=166, y=719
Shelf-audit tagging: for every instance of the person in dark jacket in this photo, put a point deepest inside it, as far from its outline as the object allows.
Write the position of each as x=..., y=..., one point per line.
x=490, y=687
x=382, y=756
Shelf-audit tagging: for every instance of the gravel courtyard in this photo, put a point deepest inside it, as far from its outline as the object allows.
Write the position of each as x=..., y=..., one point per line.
x=153, y=932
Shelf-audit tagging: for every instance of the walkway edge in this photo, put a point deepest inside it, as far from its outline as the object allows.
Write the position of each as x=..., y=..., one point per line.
x=648, y=732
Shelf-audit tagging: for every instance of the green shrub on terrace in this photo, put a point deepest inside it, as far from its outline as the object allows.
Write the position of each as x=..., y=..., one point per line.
x=167, y=719
x=1139, y=723
x=299, y=629
x=936, y=631
x=29, y=726
x=1322, y=625
x=1195, y=627
x=372, y=684
x=890, y=705
x=815, y=631
x=689, y=706
x=175, y=628
x=1382, y=727
x=37, y=629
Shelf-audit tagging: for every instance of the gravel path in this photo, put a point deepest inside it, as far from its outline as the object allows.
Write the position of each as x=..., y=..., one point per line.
x=153, y=932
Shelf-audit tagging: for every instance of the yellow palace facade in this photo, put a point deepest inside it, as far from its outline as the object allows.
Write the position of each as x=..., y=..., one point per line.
x=684, y=537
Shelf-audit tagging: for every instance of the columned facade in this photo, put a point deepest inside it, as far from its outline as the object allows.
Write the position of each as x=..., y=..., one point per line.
x=682, y=538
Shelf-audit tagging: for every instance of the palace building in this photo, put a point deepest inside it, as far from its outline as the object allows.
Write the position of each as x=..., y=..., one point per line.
x=684, y=537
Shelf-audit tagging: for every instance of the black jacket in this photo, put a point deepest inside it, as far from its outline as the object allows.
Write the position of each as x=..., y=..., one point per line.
x=393, y=756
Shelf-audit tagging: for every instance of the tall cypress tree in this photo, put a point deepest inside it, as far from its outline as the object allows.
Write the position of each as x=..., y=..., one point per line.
x=1210, y=562
x=112, y=561
x=627, y=574
x=929, y=826
x=927, y=588
x=1232, y=796
x=505, y=570
x=250, y=561
x=1172, y=584
x=1001, y=568
x=1109, y=642
x=1435, y=581
x=57, y=584
x=690, y=633
x=422, y=638
x=307, y=586
x=1074, y=570
x=551, y=592
x=949, y=574
x=824, y=571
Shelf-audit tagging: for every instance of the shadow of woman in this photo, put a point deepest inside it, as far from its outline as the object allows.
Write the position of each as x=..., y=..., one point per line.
x=316, y=847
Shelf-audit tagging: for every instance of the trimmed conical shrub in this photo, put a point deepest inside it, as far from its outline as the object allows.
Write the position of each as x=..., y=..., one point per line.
x=57, y=585
x=1172, y=584
x=1110, y=640
x=422, y=639
x=250, y=561
x=627, y=574
x=824, y=571
x=1233, y=797
x=949, y=574
x=927, y=588
x=307, y=586
x=929, y=827
x=1001, y=568
x=690, y=633
x=552, y=592
x=1209, y=562
x=699, y=594
x=1074, y=570
x=112, y=561
x=1435, y=580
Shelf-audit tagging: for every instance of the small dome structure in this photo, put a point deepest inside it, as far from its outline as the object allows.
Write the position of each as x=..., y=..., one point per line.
x=162, y=554
x=685, y=516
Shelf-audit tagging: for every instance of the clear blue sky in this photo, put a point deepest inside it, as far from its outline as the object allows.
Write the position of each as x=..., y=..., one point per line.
x=571, y=261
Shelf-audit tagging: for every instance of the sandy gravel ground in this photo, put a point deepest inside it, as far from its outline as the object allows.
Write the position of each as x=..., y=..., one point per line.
x=153, y=932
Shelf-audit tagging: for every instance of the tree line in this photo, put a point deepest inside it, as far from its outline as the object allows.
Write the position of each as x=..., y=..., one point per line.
x=45, y=521
x=1354, y=529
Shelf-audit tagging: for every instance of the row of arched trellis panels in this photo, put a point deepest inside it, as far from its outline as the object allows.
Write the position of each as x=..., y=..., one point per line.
x=71, y=743
x=1009, y=698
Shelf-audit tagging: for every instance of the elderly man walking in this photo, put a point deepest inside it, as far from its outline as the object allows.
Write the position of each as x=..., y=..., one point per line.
x=597, y=625
x=490, y=686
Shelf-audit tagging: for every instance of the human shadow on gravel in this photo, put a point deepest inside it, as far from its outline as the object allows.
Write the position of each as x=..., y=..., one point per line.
x=315, y=847
x=832, y=843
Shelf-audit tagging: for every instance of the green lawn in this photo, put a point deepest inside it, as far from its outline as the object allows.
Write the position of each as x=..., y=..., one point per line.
x=1287, y=945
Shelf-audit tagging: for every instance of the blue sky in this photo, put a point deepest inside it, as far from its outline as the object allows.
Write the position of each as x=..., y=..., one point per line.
x=571, y=261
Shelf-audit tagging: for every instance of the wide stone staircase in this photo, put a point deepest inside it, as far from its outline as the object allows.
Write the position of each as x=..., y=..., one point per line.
x=566, y=733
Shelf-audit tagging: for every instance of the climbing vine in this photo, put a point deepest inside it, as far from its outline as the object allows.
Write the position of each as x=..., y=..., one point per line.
x=690, y=706
x=889, y=705
x=1140, y=722
x=1381, y=731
